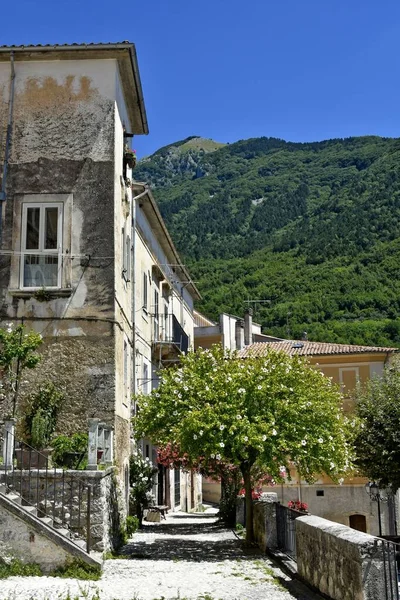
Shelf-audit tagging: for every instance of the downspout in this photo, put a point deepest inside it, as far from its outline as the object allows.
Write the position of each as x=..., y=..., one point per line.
x=8, y=142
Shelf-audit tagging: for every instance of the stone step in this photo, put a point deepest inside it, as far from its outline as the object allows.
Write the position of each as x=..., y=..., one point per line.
x=16, y=498
x=63, y=531
x=32, y=510
x=47, y=520
x=80, y=543
x=2, y=488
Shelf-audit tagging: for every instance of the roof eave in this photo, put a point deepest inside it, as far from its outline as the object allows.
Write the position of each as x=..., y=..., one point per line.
x=143, y=188
x=136, y=109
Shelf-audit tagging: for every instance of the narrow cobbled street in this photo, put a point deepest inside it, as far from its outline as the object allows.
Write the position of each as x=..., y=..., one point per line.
x=185, y=557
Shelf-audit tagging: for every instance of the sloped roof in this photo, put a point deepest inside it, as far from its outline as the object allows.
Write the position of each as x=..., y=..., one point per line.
x=307, y=348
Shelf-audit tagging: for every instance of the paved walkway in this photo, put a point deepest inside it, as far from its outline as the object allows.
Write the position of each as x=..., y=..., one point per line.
x=184, y=557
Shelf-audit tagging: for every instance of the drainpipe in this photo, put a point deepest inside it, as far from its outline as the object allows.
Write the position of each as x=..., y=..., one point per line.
x=8, y=142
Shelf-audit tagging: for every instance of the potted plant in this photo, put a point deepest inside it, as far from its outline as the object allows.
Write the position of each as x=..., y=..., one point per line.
x=70, y=451
x=130, y=157
x=37, y=425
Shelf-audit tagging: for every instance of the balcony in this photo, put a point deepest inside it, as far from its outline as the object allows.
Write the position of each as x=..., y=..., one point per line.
x=169, y=339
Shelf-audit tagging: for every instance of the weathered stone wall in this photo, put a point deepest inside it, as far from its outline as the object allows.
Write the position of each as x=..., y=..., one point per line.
x=340, y=562
x=63, y=149
x=63, y=495
x=264, y=522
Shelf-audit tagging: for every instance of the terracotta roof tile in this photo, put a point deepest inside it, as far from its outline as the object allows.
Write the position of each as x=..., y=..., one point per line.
x=307, y=348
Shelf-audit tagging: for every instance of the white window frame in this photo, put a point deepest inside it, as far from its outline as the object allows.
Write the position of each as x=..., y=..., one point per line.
x=341, y=371
x=41, y=250
x=145, y=291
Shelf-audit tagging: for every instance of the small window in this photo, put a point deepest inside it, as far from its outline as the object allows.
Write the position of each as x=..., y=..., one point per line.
x=145, y=284
x=41, y=251
x=320, y=493
x=126, y=367
x=126, y=256
x=146, y=378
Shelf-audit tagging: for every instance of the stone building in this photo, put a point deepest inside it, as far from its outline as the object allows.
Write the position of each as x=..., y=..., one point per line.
x=164, y=295
x=67, y=115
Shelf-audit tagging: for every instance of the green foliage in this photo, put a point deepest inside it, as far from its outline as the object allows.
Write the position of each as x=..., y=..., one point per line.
x=64, y=446
x=17, y=568
x=77, y=569
x=377, y=438
x=312, y=227
x=141, y=480
x=39, y=415
x=256, y=414
x=17, y=353
x=262, y=411
x=132, y=525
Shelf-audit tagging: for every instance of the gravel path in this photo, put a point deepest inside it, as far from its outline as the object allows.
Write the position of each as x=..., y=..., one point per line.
x=186, y=557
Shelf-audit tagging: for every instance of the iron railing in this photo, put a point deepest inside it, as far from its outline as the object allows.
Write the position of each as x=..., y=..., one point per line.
x=55, y=493
x=389, y=553
x=286, y=529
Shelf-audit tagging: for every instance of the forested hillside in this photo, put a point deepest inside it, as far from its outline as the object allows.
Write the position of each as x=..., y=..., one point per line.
x=314, y=228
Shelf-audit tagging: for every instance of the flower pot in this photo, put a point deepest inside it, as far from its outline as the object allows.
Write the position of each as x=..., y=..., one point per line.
x=32, y=459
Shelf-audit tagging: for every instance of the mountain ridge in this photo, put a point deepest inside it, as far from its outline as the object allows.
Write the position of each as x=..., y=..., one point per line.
x=245, y=209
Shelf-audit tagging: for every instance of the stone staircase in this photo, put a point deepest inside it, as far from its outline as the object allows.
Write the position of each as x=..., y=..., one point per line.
x=15, y=507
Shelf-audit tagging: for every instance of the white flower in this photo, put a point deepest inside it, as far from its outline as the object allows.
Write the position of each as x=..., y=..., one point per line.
x=331, y=438
x=218, y=457
x=264, y=437
x=212, y=455
x=185, y=388
x=175, y=412
x=238, y=416
x=282, y=469
x=341, y=480
x=332, y=465
x=274, y=432
x=241, y=391
x=222, y=445
x=201, y=432
x=303, y=442
x=259, y=387
x=176, y=392
x=229, y=378
x=222, y=427
x=320, y=440
x=195, y=437
x=246, y=439
x=291, y=389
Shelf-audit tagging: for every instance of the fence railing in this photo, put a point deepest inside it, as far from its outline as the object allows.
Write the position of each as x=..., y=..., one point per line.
x=55, y=493
x=286, y=529
x=390, y=553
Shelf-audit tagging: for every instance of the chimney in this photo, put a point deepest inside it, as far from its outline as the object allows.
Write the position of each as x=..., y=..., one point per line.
x=239, y=334
x=248, y=327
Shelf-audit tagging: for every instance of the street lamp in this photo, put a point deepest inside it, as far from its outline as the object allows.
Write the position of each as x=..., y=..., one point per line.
x=375, y=493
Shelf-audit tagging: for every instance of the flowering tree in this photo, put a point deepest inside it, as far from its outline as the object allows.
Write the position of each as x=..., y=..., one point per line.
x=255, y=413
x=141, y=480
x=377, y=435
x=17, y=353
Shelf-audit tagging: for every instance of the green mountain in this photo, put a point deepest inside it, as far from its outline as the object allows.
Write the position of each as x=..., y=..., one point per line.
x=312, y=228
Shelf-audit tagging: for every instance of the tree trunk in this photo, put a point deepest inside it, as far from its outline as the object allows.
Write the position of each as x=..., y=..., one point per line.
x=230, y=483
x=249, y=504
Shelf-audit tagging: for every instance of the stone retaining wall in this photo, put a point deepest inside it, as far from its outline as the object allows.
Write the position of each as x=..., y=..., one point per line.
x=340, y=562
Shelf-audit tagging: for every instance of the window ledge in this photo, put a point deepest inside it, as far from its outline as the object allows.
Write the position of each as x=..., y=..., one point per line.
x=52, y=293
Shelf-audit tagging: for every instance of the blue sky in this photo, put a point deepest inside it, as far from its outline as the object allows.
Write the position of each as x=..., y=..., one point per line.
x=230, y=70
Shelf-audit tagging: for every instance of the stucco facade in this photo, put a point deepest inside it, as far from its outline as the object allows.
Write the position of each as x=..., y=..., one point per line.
x=164, y=325
x=66, y=219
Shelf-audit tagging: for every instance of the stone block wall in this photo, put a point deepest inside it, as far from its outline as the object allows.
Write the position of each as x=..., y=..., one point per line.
x=63, y=495
x=340, y=562
x=264, y=522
